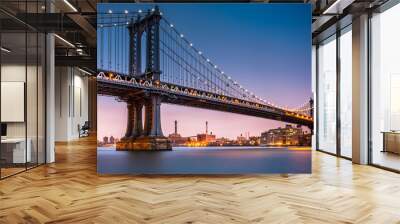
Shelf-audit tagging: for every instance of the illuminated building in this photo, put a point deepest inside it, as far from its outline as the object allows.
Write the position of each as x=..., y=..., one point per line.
x=241, y=139
x=207, y=138
x=287, y=136
x=176, y=139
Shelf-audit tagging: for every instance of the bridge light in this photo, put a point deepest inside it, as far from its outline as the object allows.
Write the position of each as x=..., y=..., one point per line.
x=152, y=9
x=200, y=52
x=171, y=25
x=140, y=11
x=110, y=11
x=115, y=24
x=182, y=36
x=215, y=66
x=208, y=60
x=229, y=77
x=191, y=44
x=222, y=72
x=127, y=23
x=126, y=11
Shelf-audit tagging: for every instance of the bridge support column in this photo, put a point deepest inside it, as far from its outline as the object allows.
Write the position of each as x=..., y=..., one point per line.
x=148, y=111
x=149, y=138
x=155, y=129
x=137, y=127
x=129, y=121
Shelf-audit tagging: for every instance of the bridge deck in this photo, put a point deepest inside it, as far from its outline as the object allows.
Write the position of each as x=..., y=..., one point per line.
x=125, y=90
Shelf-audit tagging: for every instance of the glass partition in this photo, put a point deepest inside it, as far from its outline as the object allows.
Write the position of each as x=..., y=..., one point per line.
x=346, y=93
x=22, y=77
x=13, y=103
x=327, y=95
x=385, y=89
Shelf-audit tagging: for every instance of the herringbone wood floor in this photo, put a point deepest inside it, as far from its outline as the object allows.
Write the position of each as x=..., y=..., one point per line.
x=70, y=191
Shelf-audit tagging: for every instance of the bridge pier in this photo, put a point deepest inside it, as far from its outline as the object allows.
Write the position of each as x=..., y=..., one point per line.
x=129, y=122
x=150, y=137
x=137, y=127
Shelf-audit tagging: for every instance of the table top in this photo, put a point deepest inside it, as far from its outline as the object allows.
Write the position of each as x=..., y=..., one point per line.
x=391, y=132
x=13, y=140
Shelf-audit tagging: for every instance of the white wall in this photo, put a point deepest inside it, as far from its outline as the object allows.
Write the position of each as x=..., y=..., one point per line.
x=71, y=102
x=33, y=126
x=16, y=72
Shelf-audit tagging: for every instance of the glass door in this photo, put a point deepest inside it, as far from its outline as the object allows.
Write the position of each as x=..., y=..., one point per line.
x=346, y=92
x=385, y=89
x=327, y=95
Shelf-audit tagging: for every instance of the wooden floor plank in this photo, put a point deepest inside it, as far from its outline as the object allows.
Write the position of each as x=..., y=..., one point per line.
x=70, y=191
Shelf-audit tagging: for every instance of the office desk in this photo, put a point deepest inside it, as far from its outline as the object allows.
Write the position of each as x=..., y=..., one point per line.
x=391, y=141
x=13, y=150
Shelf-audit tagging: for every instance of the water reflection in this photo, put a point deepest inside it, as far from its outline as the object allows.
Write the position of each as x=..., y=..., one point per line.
x=207, y=160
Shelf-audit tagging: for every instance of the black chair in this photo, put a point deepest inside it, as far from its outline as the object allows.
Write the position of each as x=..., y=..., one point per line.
x=84, y=130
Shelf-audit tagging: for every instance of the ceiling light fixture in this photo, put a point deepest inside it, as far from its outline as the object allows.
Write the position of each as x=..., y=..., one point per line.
x=84, y=71
x=5, y=50
x=337, y=7
x=64, y=40
x=70, y=5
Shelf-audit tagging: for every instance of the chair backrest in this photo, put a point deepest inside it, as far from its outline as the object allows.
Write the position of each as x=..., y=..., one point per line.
x=86, y=124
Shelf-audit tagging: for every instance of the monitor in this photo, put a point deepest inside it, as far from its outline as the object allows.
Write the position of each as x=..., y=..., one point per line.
x=3, y=129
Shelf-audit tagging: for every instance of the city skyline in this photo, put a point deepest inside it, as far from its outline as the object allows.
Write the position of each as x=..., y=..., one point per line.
x=187, y=126
x=246, y=30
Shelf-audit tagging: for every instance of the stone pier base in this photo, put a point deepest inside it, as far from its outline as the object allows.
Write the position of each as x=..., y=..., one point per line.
x=144, y=144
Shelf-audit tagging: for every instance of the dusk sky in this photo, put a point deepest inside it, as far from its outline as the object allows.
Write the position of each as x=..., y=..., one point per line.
x=265, y=47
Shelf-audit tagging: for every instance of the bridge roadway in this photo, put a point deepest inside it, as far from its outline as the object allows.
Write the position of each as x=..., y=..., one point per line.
x=126, y=88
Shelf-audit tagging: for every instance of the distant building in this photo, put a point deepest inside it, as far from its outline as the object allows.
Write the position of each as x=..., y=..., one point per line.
x=208, y=138
x=112, y=140
x=241, y=139
x=192, y=138
x=254, y=140
x=176, y=139
x=105, y=140
x=223, y=141
x=287, y=136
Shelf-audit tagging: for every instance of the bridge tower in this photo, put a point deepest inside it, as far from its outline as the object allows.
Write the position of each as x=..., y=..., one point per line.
x=149, y=136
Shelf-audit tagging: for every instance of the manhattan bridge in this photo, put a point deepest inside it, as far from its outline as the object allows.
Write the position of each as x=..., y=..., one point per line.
x=144, y=60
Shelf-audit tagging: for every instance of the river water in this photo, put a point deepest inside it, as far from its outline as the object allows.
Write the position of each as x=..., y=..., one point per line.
x=205, y=160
